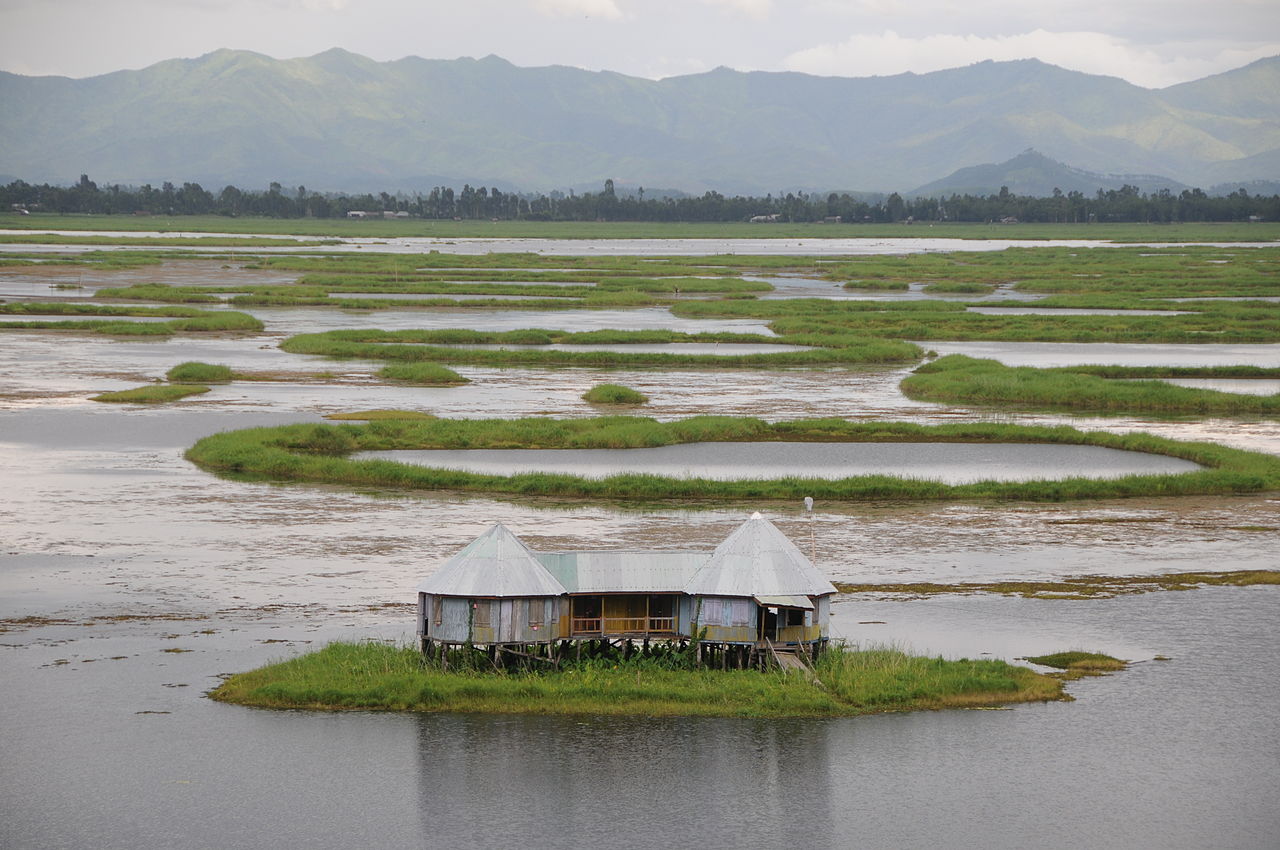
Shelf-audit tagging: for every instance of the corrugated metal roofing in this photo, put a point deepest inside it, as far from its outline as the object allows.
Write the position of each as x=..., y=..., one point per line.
x=496, y=563
x=623, y=571
x=758, y=559
x=785, y=602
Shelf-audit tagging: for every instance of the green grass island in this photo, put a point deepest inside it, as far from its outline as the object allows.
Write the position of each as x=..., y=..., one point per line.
x=659, y=682
x=319, y=454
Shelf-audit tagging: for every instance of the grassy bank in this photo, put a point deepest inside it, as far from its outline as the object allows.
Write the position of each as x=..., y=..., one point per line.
x=376, y=676
x=318, y=453
x=967, y=380
x=114, y=320
x=152, y=394
x=411, y=346
x=614, y=394
x=1216, y=232
x=422, y=375
x=1078, y=587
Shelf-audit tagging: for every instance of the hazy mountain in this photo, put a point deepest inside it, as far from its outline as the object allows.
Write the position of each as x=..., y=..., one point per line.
x=1032, y=173
x=341, y=121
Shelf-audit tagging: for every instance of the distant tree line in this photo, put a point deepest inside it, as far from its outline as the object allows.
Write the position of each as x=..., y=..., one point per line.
x=1127, y=204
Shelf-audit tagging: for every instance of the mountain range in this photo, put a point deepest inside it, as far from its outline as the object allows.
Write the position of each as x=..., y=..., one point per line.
x=340, y=121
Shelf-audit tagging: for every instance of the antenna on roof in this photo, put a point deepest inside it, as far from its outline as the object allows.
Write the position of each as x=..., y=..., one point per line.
x=813, y=546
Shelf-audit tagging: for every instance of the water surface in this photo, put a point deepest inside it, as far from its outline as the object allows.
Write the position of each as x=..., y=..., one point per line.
x=952, y=463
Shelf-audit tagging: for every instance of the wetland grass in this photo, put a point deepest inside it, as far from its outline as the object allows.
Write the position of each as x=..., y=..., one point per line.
x=316, y=453
x=346, y=676
x=1127, y=232
x=422, y=375
x=1077, y=663
x=614, y=394
x=968, y=380
x=194, y=371
x=405, y=346
x=152, y=394
x=113, y=319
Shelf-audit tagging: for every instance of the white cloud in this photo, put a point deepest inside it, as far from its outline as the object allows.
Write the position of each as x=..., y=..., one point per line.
x=1153, y=66
x=757, y=9
x=589, y=8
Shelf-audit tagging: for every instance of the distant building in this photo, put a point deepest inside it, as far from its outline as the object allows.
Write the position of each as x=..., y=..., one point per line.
x=765, y=219
x=754, y=593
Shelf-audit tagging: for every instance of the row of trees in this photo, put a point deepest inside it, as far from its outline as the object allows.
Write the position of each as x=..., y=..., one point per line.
x=1127, y=204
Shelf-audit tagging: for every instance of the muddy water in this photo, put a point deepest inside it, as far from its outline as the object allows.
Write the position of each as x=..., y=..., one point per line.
x=109, y=743
x=950, y=463
x=1115, y=353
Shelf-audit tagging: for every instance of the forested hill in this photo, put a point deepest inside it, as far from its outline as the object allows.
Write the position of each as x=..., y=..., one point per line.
x=339, y=121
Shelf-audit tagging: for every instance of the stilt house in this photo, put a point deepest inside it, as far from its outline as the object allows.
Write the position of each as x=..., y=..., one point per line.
x=755, y=589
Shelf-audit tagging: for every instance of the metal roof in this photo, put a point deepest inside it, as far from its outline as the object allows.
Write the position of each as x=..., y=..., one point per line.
x=758, y=560
x=496, y=563
x=785, y=602
x=623, y=571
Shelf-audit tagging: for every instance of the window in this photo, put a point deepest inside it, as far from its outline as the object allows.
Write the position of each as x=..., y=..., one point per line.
x=437, y=609
x=480, y=613
x=740, y=613
x=536, y=612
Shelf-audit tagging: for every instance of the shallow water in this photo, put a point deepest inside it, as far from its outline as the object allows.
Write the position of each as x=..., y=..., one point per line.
x=1115, y=353
x=1069, y=311
x=103, y=518
x=951, y=463
x=789, y=286
x=1247, y=386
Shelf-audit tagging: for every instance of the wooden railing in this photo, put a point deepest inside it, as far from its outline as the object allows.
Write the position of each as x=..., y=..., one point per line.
x=623, y=625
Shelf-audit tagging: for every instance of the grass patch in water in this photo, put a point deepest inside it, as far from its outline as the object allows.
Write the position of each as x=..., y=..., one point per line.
x=422, y=375
x=416, y=346
x=194, y=371
x=614, y=394
x=959, y=378
x=113, y=319
x=1079, y=662
x=344, y=676
x=316, y=453
x=152, y=394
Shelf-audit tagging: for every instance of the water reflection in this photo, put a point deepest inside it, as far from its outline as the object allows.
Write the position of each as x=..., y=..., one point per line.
x=625, y=782
x=951, y=463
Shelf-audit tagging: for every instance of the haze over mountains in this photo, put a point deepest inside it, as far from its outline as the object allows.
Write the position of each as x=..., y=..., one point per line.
x=339, y=121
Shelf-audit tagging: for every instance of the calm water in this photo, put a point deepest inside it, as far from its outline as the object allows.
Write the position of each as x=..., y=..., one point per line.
x=1248, y=386
x=125, y=753
x=126, y=550
x=1115, y=353
x=952, y=463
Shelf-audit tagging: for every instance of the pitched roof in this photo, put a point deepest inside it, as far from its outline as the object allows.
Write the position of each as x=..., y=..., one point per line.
x=758, y=560
x=623, y=571
x=496, y=563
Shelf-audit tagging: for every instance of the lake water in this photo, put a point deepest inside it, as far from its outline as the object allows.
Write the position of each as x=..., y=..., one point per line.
x=1115, y=353
x=1247, y=386
x=121, y=550
x=952, y=463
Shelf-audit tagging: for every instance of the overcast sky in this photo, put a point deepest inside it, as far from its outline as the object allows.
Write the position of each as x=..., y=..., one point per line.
x=1153, y=43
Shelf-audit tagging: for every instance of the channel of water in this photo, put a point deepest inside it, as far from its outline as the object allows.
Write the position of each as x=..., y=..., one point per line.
x=123, y=550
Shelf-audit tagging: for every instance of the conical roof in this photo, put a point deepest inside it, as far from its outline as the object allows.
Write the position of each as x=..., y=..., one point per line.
x=496, y=563
x=758, y=560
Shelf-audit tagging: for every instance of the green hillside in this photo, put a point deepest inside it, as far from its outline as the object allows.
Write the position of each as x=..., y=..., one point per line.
x=340, y=121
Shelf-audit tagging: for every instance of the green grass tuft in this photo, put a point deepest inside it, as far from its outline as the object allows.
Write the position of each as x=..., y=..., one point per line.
x=614, y=394
x=152, y=394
